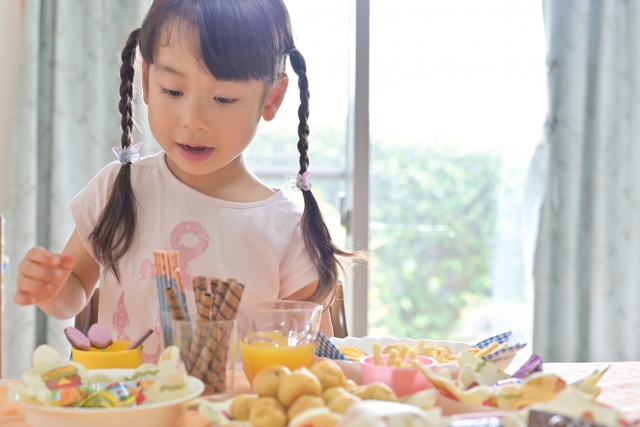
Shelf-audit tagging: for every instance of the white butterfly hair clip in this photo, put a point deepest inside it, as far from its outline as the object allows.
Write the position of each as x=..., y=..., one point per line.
x=129, y=154
x=300, y=182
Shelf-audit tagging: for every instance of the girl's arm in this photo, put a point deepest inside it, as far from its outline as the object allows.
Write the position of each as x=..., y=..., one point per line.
x=326, y=326
x=61, y=285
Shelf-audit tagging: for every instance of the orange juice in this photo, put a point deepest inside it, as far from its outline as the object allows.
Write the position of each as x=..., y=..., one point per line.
x=261, y=354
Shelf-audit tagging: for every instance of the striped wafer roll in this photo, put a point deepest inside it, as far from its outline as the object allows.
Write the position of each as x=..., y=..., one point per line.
x=229, y=307
x=201, y=330
x=221, y=291
x=209, y=351
x=175, y=307
x=227, y=311
x=200, y=287
x=216, y=375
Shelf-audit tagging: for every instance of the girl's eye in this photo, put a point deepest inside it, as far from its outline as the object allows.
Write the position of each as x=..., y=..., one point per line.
x=225, y=101
x=172, y=93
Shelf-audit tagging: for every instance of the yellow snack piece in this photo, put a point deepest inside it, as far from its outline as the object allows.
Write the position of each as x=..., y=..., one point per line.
x=241, y=405
x=352, y=353
x=303, y=403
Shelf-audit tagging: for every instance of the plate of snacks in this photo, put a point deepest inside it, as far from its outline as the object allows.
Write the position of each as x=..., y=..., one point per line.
x=319, y=395
x=59, y=393
x=500, y=350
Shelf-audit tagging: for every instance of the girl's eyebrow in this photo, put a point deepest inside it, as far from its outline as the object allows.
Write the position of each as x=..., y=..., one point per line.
x=162, y=67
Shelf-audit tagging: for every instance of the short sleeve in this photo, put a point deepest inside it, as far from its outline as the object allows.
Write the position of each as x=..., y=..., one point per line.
x=89, y=203
x=296, y=269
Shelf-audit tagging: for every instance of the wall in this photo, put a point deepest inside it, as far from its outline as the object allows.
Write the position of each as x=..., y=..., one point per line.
x=10, y=37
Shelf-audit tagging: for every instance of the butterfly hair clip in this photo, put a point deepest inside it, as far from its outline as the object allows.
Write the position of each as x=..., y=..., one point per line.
x=300, y=182
x=129, y=154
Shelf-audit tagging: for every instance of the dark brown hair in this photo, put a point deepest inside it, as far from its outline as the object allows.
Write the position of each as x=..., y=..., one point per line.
x=239, y=40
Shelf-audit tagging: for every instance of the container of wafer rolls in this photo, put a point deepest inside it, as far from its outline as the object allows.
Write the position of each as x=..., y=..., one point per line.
x=207, y=338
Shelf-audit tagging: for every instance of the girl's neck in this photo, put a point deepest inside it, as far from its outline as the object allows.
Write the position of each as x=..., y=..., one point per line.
x=234, y=182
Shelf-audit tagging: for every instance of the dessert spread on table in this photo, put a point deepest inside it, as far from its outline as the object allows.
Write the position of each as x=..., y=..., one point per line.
x=321, y=393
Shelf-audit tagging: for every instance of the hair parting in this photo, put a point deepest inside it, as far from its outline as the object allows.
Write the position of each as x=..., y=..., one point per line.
x=114, y=232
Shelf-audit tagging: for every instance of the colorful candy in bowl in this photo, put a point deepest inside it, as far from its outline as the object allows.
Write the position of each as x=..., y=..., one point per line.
x=56, y=392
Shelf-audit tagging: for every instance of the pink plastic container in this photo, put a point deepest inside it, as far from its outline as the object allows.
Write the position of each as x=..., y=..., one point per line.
x=403, y=381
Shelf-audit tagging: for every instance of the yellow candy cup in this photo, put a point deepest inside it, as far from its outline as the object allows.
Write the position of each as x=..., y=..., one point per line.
x=116, y=356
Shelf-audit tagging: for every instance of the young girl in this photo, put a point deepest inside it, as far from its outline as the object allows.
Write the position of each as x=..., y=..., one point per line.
x=211, y=69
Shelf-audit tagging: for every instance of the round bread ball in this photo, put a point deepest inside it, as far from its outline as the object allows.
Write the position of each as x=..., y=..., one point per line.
x=267, y=416
x=241, y=405
x=267, y=381
x=303, y=403
x=331, y=393
x=341, y=404
x=268, y=401
x=376, y=391
x=298, y=383
x=329, y=373
x=351, y=386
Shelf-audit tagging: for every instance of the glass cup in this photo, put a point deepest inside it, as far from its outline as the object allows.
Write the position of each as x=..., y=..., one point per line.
x=277, y=333
x=208, y=349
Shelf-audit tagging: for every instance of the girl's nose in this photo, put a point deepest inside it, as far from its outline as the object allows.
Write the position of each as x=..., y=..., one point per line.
x=194, y=116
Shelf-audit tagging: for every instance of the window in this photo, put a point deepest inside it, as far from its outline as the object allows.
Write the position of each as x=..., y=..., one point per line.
x=457, y=97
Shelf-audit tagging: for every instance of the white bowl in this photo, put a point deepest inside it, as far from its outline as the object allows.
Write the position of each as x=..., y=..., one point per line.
x=161, y=414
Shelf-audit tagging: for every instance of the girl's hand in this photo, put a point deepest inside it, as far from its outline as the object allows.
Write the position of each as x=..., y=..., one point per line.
x=41, y=275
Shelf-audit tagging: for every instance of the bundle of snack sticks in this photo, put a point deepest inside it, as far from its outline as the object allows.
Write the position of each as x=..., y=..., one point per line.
x=205, y=349
x=169, y=285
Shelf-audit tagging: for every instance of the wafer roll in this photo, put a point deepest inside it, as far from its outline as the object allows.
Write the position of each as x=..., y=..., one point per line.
x=209, y=351
x=175, y=307
x=221, y=291
x=228, y=311
x=200, y=287
x=201, y=330
x=229, y=307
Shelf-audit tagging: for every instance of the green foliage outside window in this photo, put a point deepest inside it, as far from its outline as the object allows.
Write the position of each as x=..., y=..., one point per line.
x=433, y=217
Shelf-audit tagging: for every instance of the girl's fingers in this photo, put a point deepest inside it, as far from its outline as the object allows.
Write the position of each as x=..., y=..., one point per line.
x=29, y=285
x=42, y=256
x=41, y=272
x=67, y=261
x=24, y=298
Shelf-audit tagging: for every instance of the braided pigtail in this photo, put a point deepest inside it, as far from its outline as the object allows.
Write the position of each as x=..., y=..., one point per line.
x=114, y=232
x=317, y=240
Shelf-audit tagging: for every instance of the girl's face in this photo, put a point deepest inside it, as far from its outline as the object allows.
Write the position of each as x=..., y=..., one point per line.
x=203, y=124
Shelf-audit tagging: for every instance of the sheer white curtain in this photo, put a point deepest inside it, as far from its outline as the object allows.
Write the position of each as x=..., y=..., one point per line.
x=587, y=255
x=66, y=122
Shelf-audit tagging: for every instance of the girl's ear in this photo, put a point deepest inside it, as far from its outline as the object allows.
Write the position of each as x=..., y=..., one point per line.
x=145, y=81
x=275, y=97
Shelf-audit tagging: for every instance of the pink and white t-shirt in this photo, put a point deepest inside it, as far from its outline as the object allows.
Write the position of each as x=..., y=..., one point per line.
x=259, y=244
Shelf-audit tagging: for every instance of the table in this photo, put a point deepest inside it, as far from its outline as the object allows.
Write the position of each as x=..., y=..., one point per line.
x=620, y=388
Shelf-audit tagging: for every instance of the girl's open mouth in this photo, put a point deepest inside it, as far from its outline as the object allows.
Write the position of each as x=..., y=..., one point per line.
x=195, y=153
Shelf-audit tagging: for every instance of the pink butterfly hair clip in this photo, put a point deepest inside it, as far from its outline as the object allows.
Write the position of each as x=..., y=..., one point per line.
x=300, y=182
x=129, y=154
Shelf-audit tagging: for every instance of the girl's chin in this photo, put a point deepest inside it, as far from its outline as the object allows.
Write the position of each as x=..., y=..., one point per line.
x=195, y=155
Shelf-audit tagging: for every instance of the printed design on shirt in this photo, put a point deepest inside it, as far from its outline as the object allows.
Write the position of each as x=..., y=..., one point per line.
x=146, y=270
x=154, y=357
x=187, y=253
x=121, y=319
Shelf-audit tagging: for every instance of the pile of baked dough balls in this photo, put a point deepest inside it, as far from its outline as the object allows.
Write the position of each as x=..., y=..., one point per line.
x=314, y=397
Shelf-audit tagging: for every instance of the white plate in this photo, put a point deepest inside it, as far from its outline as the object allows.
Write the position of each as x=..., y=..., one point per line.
x=161, y=414
x=366, y=344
